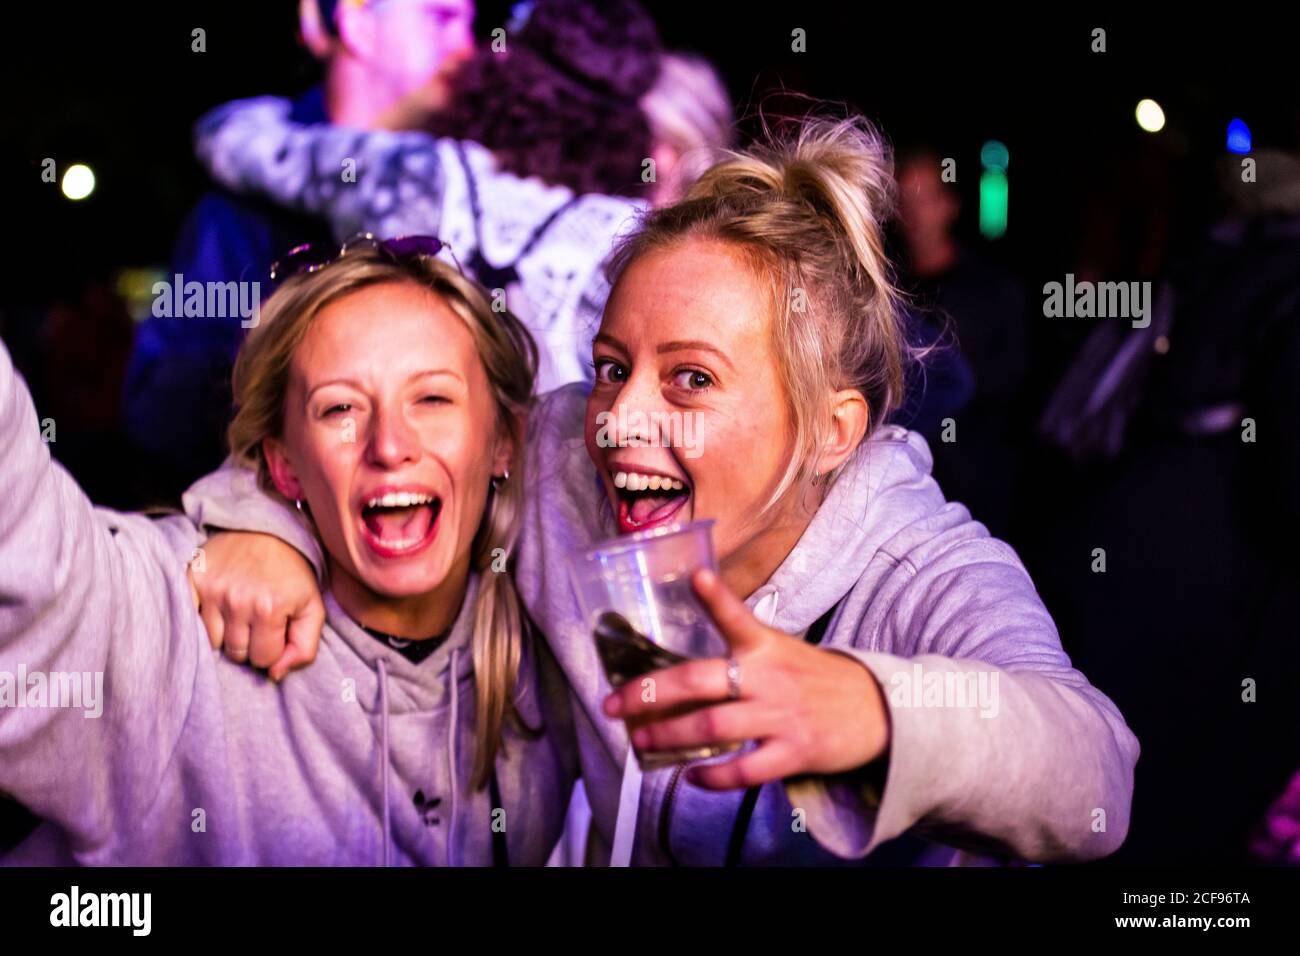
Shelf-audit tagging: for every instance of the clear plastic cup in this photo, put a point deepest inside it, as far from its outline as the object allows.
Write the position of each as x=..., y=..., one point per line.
x=637, y=599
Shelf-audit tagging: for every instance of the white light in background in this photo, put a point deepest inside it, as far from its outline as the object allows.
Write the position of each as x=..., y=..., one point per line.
x=78, y=181
x=1150, y=116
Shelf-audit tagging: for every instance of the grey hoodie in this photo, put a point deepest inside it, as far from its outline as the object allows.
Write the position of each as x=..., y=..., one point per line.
x=998, y=745
x=173, y=755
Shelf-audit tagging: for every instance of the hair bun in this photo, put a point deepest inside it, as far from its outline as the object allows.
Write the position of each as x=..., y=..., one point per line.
x=843, y=169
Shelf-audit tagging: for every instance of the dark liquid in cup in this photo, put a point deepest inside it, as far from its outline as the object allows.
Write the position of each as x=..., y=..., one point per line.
x=626, y=654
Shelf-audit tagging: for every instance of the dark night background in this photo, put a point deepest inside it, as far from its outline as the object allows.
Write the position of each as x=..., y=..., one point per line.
x=116, y=86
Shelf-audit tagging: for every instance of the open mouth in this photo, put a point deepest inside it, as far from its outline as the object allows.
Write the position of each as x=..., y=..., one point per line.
x=400, y=523
x=647, y=500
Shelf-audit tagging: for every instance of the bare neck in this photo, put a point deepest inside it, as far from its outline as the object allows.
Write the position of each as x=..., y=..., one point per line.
x=752, y=565
x=413, y=618
x=352, y=96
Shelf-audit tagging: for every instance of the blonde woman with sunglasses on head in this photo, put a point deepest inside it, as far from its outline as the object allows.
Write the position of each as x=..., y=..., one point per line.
x=383, y=396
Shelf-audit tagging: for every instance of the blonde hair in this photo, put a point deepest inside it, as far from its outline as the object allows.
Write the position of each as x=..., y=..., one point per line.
x=808, y=210
x=509, y=356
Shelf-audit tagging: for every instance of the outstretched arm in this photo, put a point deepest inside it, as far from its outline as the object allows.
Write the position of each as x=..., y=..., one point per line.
x=972, y=728
x=99, y=642
x=1038, y=765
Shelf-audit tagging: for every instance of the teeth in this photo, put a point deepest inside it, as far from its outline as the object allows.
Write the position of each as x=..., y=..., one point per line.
x=637, y=482
x=400, y=499
x=400, y=545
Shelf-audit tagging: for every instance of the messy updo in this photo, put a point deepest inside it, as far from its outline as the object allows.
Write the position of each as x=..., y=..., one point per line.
x=808, y=210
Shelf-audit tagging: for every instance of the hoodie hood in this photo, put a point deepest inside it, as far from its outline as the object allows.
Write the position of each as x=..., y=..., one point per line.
x=882, y=489
x=409, y=687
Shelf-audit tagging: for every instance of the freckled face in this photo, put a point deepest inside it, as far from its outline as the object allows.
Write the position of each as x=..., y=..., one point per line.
x=390, y=438
x=688, y=418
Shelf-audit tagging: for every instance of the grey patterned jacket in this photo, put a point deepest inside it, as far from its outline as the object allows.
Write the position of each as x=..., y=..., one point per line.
x=544, y=245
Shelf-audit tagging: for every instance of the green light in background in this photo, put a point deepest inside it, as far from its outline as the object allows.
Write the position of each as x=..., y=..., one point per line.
x=993, y=204
x=994, y=155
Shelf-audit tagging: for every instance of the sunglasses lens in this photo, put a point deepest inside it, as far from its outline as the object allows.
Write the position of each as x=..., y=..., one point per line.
x=308, y=258
x=404, y=246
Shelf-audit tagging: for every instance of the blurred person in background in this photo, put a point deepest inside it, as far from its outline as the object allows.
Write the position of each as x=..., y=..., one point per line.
x=177, y=395
x=545, y=149
x=986, y=310
x=531, y=170
x=691, y=121
x=1178, y=448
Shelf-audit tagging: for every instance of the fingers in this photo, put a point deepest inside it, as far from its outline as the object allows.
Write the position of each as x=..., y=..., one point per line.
x=720, y=724
x=736, y=621
x=257, y=633
x=773, y=760
x=304, y=640
x=292, y=659
x=267, y=633
x=248, y=594
x=695, y=682
x=213, y=622
x=237, y=636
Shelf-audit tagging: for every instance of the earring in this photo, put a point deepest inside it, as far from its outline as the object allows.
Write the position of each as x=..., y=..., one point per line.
x=497, y=482
x=298, y=503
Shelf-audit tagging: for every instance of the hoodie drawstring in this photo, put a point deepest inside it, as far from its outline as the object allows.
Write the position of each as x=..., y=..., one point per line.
x=740, y=829
x=452, y=736
x=629, y=801
x=629, y=797
x=383, y=734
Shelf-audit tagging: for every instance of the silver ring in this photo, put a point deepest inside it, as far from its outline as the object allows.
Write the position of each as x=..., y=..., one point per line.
x=733, y=679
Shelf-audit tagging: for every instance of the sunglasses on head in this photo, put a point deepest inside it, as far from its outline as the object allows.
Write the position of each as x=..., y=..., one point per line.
x=310, y=258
